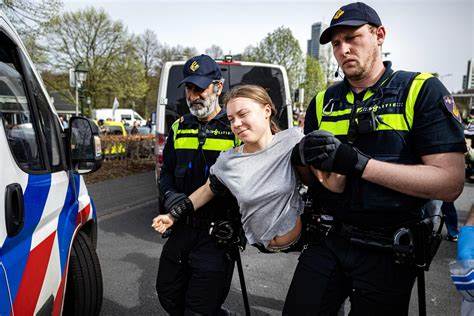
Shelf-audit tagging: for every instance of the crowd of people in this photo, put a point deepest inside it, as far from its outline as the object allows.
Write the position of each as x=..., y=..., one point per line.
x=373, y=149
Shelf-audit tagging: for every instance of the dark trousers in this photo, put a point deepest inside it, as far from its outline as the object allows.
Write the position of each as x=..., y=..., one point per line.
x=332, y=270
x=194, y=274
x=449, y=210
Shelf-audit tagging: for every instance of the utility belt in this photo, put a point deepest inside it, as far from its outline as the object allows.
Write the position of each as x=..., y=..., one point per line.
x=225, y=232
x=414, y=244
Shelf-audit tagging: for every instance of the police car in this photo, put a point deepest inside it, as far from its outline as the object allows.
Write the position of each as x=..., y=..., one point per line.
x=48, y=227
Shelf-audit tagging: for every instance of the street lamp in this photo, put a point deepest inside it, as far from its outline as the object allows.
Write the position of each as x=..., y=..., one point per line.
x=80, y=75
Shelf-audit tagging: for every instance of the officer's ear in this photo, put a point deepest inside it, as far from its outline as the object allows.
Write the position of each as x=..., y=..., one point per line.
x=380, y=32
x=218, y=85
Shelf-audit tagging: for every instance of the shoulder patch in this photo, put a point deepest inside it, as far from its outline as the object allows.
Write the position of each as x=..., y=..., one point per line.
x=450, y=105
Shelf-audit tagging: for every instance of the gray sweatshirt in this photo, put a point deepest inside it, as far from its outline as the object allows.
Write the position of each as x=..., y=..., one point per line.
x=265, y=185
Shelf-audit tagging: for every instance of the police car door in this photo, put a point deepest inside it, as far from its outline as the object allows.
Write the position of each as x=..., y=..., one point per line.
x=34, y=189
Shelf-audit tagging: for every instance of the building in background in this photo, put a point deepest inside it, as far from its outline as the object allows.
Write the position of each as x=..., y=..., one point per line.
x=323, y=53
x=468, y=79
x=314, y=48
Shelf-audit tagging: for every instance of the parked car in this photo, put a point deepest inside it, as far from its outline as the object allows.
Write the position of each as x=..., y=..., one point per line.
x=48, y=223
x=114, y=128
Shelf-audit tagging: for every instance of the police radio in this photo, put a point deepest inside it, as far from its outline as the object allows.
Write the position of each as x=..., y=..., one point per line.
x=362, y=123
x=366, y=122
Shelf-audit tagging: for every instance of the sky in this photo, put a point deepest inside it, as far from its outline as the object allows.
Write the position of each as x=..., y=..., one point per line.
x=422, y=35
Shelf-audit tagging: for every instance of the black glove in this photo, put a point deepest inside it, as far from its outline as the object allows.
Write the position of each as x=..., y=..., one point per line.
x=325, y=152
x=172, y=198
x=218, y=188
x=182, y=209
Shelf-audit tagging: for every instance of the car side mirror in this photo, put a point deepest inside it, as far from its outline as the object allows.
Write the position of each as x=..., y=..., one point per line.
x=84, y=145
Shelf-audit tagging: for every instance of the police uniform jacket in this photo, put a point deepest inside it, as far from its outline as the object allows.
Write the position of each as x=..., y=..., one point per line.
x=191, y=148
x=413, y=115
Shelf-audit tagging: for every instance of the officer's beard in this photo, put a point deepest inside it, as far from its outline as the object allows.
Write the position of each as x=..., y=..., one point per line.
x=203, y=108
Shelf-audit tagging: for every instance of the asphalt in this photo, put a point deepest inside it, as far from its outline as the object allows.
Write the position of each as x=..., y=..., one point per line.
x=116, y=196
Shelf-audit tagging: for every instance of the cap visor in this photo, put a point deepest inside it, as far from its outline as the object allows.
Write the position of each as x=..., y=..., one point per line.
x=200, y=81
x=326, y=35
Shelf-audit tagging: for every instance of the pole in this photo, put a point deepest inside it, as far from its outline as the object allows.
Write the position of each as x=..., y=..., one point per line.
x=242, y=280
x=421, y=292
x=77, y=100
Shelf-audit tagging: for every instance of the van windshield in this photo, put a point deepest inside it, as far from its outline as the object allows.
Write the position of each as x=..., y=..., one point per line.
x=270, y=78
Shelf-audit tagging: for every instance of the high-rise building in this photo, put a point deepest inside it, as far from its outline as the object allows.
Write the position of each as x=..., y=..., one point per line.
x=314, y=48
x=321, y=52
x=468, y=79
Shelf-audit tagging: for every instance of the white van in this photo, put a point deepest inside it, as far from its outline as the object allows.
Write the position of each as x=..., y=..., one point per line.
x=119, y=115
x=172, y=102
x=48, y=226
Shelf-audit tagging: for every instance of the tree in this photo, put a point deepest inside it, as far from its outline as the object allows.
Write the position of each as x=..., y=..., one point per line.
x=215, y=52
x=91, y=37
x=172, y=53
x=28, y=16
x=148, y=50
x=29, y=19
x=281, y=47
x=249, y=54
x=327, y=61
x=314, y=80
x=128, y=75
x=37, y=51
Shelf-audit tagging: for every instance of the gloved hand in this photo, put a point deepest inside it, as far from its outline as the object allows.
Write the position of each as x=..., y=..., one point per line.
x=172, y=198
x=325, y=152
x=182, y=209
x=218, y=188
x=466, y=243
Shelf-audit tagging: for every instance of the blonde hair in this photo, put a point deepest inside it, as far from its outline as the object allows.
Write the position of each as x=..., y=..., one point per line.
x=259, y=95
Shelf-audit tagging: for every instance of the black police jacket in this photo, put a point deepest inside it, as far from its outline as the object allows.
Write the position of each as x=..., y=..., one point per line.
x=398, y=120
x=192, y=147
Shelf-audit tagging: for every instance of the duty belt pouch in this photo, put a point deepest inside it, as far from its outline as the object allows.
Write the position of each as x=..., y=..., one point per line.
x=222, y=231
x=427, y=242
x=315, y=227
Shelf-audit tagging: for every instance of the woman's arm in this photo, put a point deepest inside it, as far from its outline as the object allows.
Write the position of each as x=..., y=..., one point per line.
x=202, y=195
x=305, y=175
x=199, y=198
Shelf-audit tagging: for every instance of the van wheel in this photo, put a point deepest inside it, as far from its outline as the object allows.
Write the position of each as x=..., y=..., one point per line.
x=84, y=279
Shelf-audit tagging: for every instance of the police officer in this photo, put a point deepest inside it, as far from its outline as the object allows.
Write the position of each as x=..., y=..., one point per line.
x=397, y=137
x=195, y=273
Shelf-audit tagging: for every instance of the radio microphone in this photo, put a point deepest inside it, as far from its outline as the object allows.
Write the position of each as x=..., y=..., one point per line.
x=336, y=74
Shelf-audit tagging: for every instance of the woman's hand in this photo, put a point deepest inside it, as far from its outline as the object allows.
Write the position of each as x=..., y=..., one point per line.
x=162, y=222
x=330, y=180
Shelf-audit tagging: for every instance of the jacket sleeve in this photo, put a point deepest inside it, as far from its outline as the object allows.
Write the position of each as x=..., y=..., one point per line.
x=310, y=121
x=169, y=165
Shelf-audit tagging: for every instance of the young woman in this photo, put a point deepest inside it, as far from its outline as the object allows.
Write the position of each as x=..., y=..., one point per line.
x=259, y=173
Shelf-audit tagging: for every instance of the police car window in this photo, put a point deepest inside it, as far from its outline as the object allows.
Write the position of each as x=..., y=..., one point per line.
x=175, y=95
x=269, y=78
x=48, y=121
x=17, y=118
